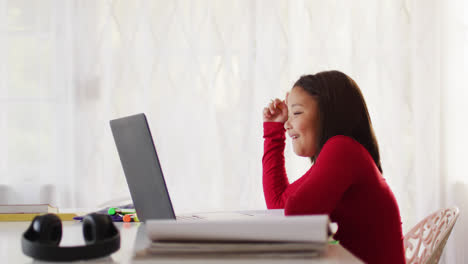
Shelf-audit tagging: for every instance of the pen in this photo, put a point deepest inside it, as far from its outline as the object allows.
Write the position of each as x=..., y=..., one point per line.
x=115, y=218
x=114, y=210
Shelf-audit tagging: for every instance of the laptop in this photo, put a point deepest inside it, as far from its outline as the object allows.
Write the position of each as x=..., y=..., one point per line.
x=145, y=177
x=141, y=167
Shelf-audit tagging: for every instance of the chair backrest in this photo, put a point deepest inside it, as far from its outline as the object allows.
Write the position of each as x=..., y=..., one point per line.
x=425, y=242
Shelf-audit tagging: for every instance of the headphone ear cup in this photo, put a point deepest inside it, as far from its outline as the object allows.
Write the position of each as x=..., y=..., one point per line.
x=47, y=229
x=98, y=227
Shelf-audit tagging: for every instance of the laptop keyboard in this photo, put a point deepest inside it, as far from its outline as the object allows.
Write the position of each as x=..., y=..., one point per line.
x=189, y=217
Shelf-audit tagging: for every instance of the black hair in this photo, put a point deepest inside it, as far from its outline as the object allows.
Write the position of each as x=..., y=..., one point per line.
x=342, y=110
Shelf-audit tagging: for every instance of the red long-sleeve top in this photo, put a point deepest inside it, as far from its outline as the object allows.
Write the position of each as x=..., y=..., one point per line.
x=344, y=183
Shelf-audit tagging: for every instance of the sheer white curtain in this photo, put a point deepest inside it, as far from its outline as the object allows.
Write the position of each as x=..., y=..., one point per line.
x=202, y=72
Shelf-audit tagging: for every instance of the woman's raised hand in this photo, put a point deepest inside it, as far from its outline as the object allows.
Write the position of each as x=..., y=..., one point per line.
x=276, y=111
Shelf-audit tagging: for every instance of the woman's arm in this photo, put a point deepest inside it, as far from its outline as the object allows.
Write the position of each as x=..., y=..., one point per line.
x=276, y=187
x=275, y=180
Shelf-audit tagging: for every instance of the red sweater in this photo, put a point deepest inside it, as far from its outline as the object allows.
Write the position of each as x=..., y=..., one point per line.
x=344, y=183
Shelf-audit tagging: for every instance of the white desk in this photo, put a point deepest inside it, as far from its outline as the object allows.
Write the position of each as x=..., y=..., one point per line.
x=133, y=238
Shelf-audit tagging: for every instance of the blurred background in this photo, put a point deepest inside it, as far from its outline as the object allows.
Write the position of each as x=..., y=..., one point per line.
x=202, y=71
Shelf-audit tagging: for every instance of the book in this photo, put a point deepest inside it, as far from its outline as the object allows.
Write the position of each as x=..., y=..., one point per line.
x=310, y=228
x=196, y=247
x=232, y=249
x=27, y=208
x=30, y=217
x=292, y=236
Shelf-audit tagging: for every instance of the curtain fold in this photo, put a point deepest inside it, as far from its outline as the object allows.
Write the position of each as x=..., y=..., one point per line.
x=202, y=72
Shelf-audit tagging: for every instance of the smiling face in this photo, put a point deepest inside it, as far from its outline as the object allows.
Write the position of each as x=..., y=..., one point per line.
x=303, y=122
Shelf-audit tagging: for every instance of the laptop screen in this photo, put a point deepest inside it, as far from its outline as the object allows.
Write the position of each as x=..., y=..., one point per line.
x=142, y=169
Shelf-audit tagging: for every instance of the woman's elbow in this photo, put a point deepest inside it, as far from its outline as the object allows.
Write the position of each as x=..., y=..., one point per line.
x=292, y=207
x=275, y=203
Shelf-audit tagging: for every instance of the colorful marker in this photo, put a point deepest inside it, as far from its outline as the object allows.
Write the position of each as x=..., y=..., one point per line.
x=130, y=218
x=113, y=211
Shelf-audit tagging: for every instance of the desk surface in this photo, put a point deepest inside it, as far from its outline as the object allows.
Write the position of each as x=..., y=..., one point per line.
x=133, y=238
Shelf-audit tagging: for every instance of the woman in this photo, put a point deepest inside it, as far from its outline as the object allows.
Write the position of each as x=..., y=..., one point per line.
x=327, y=119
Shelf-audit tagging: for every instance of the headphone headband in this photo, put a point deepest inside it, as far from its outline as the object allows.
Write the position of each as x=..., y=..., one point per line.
x=104, y=241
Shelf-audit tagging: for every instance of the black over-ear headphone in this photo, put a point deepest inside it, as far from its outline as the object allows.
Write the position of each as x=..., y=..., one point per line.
x=41, y=240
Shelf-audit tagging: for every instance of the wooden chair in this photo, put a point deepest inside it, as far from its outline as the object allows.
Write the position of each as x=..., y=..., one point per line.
x=425, y=242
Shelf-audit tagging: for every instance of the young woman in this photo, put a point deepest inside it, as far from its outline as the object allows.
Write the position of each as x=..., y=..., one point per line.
x=327, y=119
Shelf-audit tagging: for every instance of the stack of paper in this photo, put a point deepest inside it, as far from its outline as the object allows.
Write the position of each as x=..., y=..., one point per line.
x=302, y=236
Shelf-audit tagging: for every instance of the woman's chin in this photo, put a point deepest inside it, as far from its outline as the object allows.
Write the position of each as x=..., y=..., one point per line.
x=302, y=153
x=299, y=153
